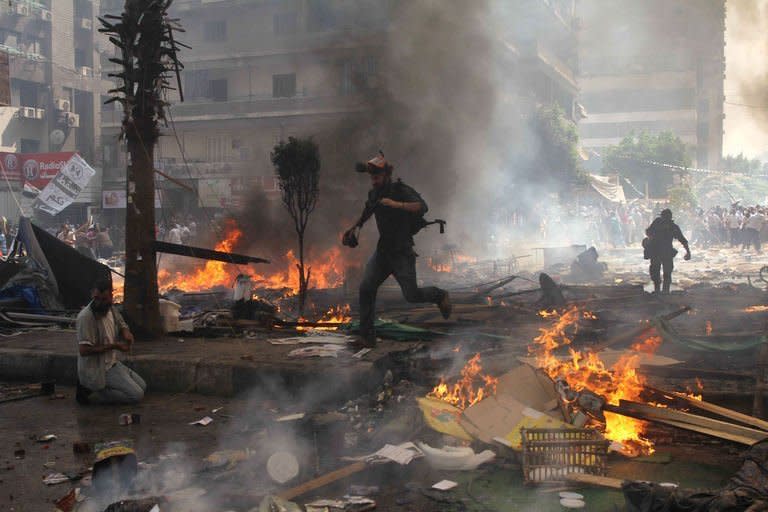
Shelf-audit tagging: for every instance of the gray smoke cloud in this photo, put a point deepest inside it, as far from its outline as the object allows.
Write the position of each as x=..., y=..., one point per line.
x=746, y=83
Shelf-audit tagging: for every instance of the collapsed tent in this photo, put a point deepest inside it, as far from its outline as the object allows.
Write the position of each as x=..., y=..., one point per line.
x=50, y=275
x=609, y=187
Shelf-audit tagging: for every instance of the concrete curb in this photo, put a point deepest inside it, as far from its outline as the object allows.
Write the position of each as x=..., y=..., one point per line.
x=164, y=374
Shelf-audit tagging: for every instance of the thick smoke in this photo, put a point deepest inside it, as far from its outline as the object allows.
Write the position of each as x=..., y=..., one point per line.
x=746, y=122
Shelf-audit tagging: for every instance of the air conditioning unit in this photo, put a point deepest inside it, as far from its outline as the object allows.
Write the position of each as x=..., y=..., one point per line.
x=85, y=71
x=22, y=9
x=86, y=24
x=46, y=15
x=27, y=112
x=39, y=113
x=73, y=120
x=62, y=105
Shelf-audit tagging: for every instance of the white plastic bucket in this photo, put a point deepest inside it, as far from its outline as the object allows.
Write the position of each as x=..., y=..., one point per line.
x=243, y=288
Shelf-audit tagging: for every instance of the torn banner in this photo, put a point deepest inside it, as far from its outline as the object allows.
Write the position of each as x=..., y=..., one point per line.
x=66, y=186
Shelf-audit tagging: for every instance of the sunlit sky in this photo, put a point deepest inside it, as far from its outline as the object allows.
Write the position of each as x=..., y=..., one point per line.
x=746, y=57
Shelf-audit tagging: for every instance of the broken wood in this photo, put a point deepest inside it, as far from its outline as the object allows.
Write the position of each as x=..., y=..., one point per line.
x=599, y=481
x=722, y=411
x=323, y=480
x=638, y=331
x=205, y=254
x=709, y=426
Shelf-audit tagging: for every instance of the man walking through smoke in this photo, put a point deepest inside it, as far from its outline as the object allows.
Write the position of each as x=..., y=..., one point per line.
x=658, y=248
x=399, y=212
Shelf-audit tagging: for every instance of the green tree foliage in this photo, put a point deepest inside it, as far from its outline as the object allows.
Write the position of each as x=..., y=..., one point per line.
x=742, y=164
x=297, y=166
x=682, y=198
x=632, y=158
x=558, y=157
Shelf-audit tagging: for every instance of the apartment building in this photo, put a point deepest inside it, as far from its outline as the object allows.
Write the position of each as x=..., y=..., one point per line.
x=259, y=71
x=55, y=87
x=653, y=65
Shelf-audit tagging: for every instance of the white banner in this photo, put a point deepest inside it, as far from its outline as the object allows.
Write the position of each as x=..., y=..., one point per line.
x=66, y=186
x=111, y=199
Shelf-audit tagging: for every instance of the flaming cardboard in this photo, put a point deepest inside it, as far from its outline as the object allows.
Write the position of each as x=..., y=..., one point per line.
x=523, y=399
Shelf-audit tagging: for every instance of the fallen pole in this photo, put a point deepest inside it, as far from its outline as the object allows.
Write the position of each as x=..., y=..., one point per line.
x=721, y=411
x=323, y=480
x=638, y=331
x=205, y=254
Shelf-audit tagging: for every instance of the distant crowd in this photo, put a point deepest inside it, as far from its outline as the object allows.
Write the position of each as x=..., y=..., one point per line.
x=89, y=239
x=738, y=226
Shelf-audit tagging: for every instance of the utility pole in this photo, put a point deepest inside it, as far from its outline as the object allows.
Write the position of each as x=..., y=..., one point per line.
x=144, y=35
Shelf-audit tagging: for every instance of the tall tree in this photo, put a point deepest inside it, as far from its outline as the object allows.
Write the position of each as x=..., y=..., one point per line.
x=642, y=159
x=297, y=166
x=145, y=36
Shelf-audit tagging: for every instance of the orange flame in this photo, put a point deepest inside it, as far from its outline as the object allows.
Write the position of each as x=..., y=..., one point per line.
x=471, y=387
x=327, y=271
x=548, y=314
x=339, y=315
x=585, y=370
x=761, y=308
x=708, y=328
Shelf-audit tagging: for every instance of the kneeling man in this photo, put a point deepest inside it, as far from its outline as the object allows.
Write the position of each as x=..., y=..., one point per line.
x=102, y=379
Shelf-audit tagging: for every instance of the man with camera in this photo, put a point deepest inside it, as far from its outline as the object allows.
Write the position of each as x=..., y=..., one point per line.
x=399, y=211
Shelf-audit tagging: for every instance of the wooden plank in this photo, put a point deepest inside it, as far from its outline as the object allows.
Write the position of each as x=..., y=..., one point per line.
x=723, y=411
x=323, y=480
x=598, y=481
x=651, y=413
x=710, y=432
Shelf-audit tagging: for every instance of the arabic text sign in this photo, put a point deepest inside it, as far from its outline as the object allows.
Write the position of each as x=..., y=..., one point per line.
x=66, y=186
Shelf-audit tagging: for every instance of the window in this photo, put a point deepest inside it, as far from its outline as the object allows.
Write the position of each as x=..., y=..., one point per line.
x=217, y=90
x=28, y=94
x=285, y=23
x=284, y=86
x=321, y=16
x=196, y=84
x=215, y=30
x=29, y=146
x=80, y=58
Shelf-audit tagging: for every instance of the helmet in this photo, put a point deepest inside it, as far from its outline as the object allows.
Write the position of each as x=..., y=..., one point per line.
x=666, y=213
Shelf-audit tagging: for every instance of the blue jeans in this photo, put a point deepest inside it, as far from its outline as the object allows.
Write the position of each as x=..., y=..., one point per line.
x=377, y=270
x=124, y=386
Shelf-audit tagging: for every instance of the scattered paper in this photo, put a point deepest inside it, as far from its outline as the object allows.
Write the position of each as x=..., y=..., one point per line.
x=46, y=439
x=55, y=478
x=291, y=417
x=317, y=351
x=214, y=411
x=155, y=509
x=203, y=421
x=361, y=353
x=444, y=485
x=402, y=454
x=318, y=337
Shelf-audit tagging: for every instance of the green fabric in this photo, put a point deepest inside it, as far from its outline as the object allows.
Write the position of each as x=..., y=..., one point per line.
x=708, y=343
x=396, y=331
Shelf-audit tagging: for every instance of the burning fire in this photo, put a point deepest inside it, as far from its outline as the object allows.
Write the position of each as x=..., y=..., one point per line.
x=338, y=315
x=585, y=370
x=440, y=264
x=471, y=387
x=761, y=308
x=327, y=270
x=708, y=328
x=548, y=314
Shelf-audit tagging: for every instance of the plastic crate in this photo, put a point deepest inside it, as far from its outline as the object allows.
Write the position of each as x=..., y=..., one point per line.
x=551, y=453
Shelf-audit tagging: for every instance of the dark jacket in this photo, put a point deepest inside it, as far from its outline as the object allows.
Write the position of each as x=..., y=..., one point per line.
x=396, y=226
x=660, y=235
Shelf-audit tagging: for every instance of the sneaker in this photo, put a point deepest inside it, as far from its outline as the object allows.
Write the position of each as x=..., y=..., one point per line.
x=445, y=306
x=364, y=342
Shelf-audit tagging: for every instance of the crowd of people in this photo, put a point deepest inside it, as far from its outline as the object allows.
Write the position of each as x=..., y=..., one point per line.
x=614, y=227
x=738, y=226
x=90, y=239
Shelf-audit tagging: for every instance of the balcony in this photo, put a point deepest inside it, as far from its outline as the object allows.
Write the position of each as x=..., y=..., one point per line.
x=256, y=108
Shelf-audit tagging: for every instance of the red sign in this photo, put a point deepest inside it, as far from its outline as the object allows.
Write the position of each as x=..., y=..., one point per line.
x=37, y=169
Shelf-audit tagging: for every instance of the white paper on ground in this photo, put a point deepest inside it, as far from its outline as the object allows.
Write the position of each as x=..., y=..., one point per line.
x=444, y=485
x=203, y=421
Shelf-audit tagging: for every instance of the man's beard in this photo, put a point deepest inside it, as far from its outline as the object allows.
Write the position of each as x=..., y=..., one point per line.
x=100, y=308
